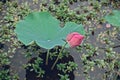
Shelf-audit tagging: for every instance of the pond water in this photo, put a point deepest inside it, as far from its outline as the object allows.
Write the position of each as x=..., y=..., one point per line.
x=19, y=58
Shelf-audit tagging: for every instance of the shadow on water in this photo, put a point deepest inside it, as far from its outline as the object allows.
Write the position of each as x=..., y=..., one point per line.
x=49, y=74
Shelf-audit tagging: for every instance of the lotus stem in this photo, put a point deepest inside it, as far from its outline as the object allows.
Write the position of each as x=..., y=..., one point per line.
x=60, y=53
x=48, y=51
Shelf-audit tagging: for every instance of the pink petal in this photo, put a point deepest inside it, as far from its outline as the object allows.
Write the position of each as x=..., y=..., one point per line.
x=74, y=43
x=69, y=36
x=74, y=39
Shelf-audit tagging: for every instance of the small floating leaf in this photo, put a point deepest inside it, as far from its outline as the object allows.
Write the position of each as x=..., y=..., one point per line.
x=114, y=18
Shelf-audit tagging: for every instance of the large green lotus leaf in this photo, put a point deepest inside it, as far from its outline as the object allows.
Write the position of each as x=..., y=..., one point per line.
x=45, y=30
x=114, y=18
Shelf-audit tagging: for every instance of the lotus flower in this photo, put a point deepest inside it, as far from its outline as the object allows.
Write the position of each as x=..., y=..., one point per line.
x=74, y=39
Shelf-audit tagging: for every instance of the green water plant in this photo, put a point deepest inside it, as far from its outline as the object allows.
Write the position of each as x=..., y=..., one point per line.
x=4, y=75
x=36, y=67
x=66, y=68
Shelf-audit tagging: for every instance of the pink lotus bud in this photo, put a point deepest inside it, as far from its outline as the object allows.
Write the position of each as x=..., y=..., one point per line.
x=74, y=39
